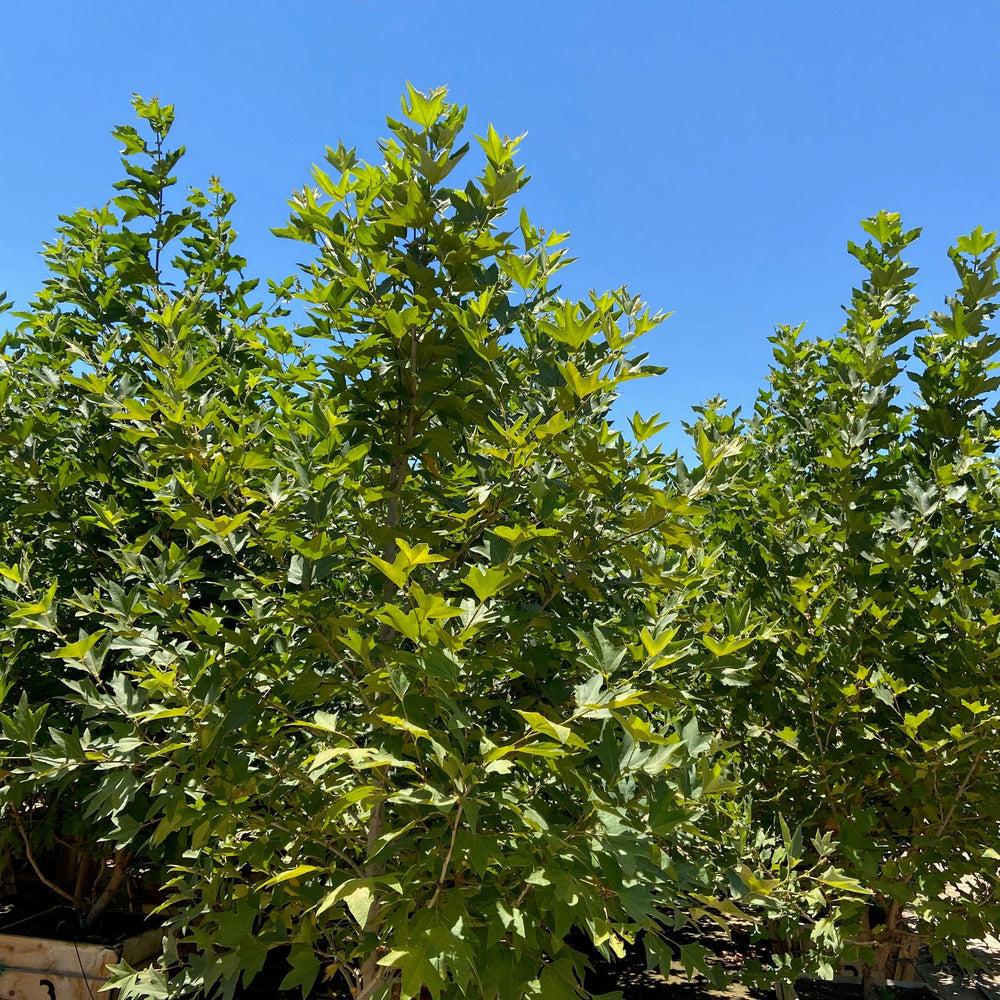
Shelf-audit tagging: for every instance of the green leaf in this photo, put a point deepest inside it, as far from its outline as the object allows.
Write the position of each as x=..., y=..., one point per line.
x=838, y=880
x=726, y=646
x=883, y=227
x=79, y=649
x=486, y=581
x=405, y=725
x=292, y=873
x=421, y=108
x=397, y=572
x=417, y=556
x=582, y=385
x=304, y=970
x=977, y=242
x=539, y=724
x=359, y=901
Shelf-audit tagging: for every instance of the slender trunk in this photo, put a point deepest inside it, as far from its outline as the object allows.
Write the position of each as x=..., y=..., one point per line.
x=122, y=860
x=82, y=873
x=874, y=981
x=785, y=991
x=874, y=974
x=371, y=977
x=873, y=978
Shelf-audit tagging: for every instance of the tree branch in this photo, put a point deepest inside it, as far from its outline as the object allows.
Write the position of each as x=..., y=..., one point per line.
x=57, y=889
x=439, y=888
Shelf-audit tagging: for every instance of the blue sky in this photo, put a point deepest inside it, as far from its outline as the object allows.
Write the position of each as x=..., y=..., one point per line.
x=714, y=156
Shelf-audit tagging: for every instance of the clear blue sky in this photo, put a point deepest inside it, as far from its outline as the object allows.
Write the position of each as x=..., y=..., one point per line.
x=715, y=156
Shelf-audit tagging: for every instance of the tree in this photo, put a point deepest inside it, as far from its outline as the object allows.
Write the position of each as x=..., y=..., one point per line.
x=866, y=535
x=384, y=647
x=141, y=298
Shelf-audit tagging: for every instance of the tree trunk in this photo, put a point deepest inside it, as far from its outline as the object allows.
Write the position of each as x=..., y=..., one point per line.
x=874, y=975
x=122, y=861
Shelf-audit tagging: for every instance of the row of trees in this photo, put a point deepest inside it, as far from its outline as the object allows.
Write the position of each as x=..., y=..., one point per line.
x=370, y=638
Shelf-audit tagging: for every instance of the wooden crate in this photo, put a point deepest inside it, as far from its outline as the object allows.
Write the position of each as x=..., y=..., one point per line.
x=33, y=968
x=902, y=966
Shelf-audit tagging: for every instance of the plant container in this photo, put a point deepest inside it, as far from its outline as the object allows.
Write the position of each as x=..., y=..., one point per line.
x=40, y=968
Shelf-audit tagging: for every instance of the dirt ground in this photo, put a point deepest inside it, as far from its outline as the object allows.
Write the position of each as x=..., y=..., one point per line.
x=950, y=983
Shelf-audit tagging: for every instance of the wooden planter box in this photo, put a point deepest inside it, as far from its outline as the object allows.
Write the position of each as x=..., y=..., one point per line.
x=902, y=969
x=34, y=968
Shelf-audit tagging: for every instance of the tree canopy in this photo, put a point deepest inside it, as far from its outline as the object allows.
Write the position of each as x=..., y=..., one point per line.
x=372, y=629
x=867, y=537
x=346, y=615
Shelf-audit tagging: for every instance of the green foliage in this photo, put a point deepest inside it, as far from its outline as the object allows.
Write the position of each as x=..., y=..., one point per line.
x=144, y=313
x=375, y=637
x=373, y=640
x=865, y=533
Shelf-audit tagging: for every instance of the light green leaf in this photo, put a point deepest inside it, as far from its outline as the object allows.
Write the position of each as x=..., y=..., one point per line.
x=485, y=582
x=292, y=873
x=77, y=650
x=838, y=880
x=546, y=727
